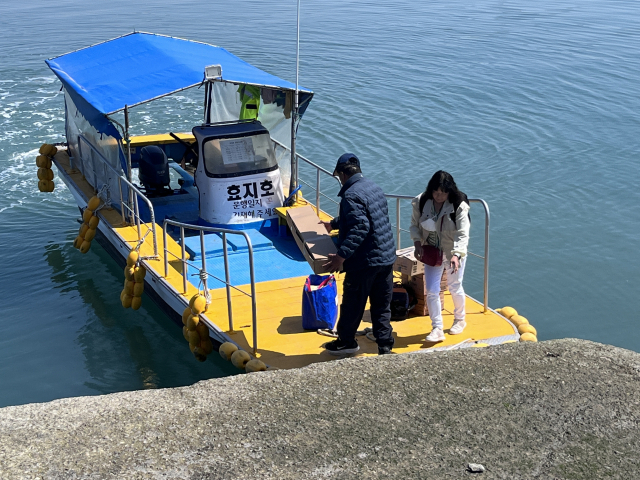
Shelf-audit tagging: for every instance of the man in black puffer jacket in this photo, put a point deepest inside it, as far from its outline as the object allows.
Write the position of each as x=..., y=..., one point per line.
x=366, y=253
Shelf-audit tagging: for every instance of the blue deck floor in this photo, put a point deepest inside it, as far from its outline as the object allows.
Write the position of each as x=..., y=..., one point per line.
x=274, y=258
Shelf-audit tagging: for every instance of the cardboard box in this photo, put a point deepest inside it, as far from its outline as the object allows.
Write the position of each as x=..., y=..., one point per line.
x=311, y=236
x=417, y=284
x=406, y=263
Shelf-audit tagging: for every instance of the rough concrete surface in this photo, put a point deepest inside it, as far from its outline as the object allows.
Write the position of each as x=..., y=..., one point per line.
x=558, y=409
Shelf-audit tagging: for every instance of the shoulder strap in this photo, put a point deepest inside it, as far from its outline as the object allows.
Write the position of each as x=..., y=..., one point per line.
x=462, y=198
x=423, y=201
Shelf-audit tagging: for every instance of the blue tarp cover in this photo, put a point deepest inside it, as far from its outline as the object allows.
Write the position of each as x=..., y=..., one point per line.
x=141, y=66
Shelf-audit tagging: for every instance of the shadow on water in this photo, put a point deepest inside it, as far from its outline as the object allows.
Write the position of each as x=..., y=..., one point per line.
x=123, y=349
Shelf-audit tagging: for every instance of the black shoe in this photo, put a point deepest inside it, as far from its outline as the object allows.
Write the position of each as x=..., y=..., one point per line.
x=338, y=348
x=384, y=350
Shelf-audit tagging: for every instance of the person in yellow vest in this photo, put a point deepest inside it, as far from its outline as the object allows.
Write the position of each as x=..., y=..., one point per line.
x=250, y=98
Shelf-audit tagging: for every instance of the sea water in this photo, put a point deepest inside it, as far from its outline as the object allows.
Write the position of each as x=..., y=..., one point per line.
x=531, y=106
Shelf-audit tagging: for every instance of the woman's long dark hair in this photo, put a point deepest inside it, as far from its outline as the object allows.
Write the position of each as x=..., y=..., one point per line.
x=444, y=181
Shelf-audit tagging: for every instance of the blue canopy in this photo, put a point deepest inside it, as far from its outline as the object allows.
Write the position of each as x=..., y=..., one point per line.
x=139, y=67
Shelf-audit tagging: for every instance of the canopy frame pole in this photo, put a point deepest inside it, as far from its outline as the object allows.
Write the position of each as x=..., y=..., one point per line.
x=293, y=184
x=206, y=100
x=127, y=140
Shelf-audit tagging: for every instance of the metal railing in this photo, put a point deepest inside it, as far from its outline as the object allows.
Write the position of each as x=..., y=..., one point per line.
x=319, y=170
x=484, y=257
x=399, y=230
x=133, y=210
x=203, y=268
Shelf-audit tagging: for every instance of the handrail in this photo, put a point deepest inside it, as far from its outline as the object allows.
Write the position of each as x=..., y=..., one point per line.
x=318, y=170
x=486, y=238
x=398, y=198
x=398, y=229
x=487, y=218
x=135, y=212
x=205, y=274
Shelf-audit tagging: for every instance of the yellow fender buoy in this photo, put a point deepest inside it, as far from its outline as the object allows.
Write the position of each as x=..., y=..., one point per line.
x=48, y=149
x=192, y=322
x=194, y=338
x=185, y=316
x=139, y=273
x=46, y=186
x=528, y=337
x=206, y=346
x=527, y=328
x=83, y=229
x=136, y=302
x=126, y=300
x=240, y=358
x=128, y=287
x=42, y=161
x=518, y=320
x=203, y=331
x=78, y=241
x=138, y=289
x=508, y=312
x=198, y=304
x=86, y=215
x=255, y=365
x=227, y=349
x=51, y=151
x=45, y=174
x=93, y=222
x=89, y=234
x=185, y=333
x=84, y=248
x=128, y=273
x=93, y=203
x=132, y=258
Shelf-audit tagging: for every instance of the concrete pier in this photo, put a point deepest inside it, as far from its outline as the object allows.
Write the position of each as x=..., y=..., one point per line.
x=566, y=409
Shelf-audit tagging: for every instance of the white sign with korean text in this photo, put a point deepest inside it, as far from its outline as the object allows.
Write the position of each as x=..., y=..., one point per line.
x=237, y=150
x=238, y=200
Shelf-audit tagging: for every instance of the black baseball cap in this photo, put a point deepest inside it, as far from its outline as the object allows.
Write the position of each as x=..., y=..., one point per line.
x=346, y=159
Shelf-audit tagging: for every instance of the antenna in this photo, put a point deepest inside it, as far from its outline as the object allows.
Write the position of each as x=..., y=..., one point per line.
x=293, y=184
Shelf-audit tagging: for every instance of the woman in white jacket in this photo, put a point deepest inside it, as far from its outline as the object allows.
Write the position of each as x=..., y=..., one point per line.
x=441, y=219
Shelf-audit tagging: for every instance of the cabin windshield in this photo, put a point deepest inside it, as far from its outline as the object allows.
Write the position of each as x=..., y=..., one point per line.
x=229, y=157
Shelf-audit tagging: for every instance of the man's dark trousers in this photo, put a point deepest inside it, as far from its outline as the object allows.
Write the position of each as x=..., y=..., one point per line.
x=375, y=284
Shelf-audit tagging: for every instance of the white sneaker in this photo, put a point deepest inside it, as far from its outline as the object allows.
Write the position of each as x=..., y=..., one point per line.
x=436, y=335
x=458, y=327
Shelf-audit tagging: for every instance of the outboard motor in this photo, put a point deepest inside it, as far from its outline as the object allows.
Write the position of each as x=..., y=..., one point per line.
x=153, y=170
x=238, y=177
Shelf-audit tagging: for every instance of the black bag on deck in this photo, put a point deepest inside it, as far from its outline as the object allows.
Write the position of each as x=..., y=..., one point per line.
x=402, y=300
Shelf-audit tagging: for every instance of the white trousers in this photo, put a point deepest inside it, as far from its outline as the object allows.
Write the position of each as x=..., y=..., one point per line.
x=432, y=277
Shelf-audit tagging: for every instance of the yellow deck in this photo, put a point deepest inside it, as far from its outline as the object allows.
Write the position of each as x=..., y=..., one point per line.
x=283, y=344
x=281, y=341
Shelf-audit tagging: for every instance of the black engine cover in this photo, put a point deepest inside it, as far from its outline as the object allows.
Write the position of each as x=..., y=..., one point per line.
x=153, y=167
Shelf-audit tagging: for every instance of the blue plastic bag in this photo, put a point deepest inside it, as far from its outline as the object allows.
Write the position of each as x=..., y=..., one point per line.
x=320, y=306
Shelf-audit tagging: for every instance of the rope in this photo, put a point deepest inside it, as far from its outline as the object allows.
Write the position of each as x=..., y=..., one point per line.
x=141, y=241
x=202, y=285
x=106, y=203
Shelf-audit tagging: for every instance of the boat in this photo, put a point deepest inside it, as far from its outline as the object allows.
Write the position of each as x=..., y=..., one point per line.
x=199, y=220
